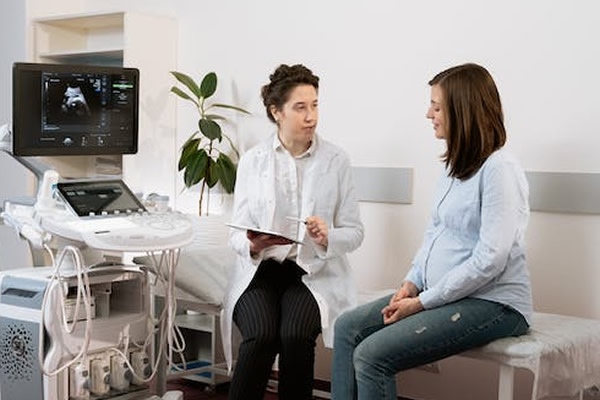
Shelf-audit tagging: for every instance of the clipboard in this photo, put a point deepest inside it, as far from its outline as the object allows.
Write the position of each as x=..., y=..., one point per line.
x=263, y=231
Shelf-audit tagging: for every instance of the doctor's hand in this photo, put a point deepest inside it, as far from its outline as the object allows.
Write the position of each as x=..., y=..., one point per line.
x=260, y=241
x=317, y=230
x=401, y=309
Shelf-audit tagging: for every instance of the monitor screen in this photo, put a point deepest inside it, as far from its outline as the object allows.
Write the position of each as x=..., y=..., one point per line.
x=62, y=109
x=99, y=198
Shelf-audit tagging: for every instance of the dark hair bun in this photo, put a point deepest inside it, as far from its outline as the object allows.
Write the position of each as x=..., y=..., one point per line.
x=294, y=72
x=282, y=81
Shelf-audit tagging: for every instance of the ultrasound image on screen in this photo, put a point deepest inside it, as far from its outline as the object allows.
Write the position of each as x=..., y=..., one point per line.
x=74, y=102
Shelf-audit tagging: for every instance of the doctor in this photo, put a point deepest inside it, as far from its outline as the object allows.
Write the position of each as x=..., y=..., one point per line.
x=281, y=295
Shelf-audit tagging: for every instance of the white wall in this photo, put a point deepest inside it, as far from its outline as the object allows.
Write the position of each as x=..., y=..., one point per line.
x=375, y=59
x=13, y=177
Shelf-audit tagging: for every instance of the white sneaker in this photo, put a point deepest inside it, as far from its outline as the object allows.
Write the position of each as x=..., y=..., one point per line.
x=173, y=395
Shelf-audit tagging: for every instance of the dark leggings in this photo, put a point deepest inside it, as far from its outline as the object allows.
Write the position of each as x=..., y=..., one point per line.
x=276, y=314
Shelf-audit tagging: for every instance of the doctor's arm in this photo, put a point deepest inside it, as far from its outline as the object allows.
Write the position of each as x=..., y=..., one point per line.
x=238, y=239
x=347, y=232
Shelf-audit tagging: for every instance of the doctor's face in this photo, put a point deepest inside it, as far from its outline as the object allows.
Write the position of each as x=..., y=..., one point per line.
x=436, y=112
x=297, y=119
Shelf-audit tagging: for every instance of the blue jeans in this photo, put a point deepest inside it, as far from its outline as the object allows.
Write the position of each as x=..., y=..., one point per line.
x=367, y=354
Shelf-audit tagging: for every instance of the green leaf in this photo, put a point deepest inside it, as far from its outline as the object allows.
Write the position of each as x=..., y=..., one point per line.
x=230, y=107
x=210, y=129
x=189, y=139
x=214, y=116
x=180, y=93
x=226, y=172
x=208, y=85
x=237, y=153
x=212, y=176
x=188, y=82
x=189, y=149
x=183, y=95
x=196, y=169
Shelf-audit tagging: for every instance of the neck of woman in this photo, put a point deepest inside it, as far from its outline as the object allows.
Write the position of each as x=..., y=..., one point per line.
x=294, y=147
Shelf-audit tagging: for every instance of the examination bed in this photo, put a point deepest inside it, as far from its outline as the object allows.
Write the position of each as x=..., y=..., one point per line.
x=562, y=352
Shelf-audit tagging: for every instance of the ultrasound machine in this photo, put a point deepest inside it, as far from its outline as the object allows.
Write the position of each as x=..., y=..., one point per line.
x=82, y=327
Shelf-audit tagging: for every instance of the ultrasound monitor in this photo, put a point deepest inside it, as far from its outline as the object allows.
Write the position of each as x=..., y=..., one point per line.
x=62, y=109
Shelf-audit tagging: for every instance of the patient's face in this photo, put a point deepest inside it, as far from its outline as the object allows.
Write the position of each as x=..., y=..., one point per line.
x=298, y=117
x=436, y=112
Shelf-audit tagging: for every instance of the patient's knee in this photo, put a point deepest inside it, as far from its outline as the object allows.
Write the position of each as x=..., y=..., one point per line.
x=367, y=359
x=344, y=324
x=361, y=359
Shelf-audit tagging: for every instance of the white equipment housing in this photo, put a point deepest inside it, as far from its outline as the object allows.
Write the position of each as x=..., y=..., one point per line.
x=121, y=303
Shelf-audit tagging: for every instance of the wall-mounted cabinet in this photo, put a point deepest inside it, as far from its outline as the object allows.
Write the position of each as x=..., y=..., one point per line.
x=85, y=39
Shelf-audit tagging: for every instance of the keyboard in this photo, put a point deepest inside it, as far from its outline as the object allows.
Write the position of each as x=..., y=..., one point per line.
x=133, y=233
x=144, y=232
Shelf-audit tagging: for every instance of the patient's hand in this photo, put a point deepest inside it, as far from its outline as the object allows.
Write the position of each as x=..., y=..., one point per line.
x=408, y=289
x=401, y=309
x=317, y=230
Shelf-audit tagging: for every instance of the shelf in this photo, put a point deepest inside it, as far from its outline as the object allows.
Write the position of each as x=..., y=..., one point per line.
x=108, y=57
x=203, y=365
x=81, y=39
x=118, y=316
x=107, y=324
x=85, y=21
x=197, y=322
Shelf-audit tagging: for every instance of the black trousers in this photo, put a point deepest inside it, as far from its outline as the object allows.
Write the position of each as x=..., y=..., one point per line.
x=276, y=314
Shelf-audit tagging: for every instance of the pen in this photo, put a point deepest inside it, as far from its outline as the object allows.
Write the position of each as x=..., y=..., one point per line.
x=296, y=219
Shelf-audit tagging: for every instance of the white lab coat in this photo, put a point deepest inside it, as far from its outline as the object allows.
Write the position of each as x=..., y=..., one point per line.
x=327, y=192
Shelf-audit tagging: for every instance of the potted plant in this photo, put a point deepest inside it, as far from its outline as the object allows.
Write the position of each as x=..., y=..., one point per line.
x=201, y=159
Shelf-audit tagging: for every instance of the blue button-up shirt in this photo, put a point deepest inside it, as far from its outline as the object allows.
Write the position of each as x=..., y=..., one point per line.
x=474, y=244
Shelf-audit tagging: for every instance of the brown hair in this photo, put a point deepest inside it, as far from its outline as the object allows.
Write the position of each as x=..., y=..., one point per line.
x=282, y=81
x=474, y=120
